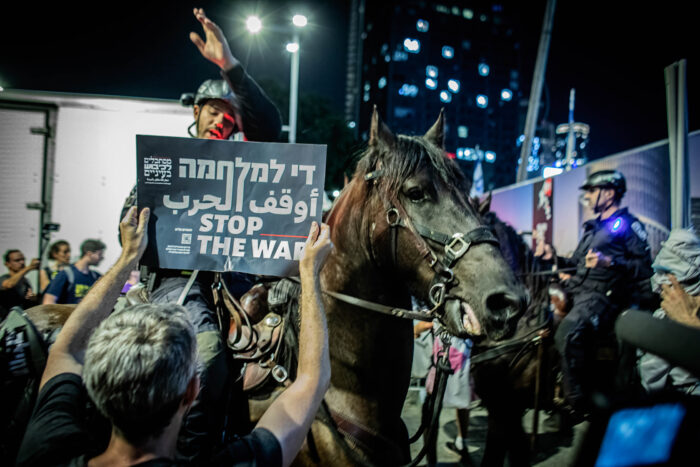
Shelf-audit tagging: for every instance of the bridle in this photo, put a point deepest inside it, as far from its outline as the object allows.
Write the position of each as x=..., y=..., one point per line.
x=455, y=247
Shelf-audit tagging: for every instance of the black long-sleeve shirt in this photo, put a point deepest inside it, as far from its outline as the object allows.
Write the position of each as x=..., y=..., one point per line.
x=260, y=118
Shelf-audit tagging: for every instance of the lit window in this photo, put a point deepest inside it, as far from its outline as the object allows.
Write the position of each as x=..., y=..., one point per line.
x=506, y=94
x=431, y=71
x=484, y=69
x=462, y=131
x=366, y=97
x=442, y=9
x=467, y=13
x=352, y=124
x=382, y=82
x=453, y=85
x=445, y=96
x=411, y=45
x=455, y=11
x=467, y=45
x=490, y=156
x=408, y=90
x=448, y=52
x=387, y=58
x=367, y=86
x=483, y=18
x=430, y=83
x=482, y=101
x=422, y=25
x=400, y=56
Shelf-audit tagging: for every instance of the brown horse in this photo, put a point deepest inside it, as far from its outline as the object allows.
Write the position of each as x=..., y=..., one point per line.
x=402, y=228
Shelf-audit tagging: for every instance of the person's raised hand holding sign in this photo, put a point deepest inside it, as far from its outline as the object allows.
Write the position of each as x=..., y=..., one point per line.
x=290, y=416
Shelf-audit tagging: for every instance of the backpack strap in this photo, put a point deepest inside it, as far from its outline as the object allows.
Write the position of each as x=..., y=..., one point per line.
x=70, y=275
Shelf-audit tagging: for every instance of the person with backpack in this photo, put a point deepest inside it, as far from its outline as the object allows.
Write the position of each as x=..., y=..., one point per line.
x=73, y=282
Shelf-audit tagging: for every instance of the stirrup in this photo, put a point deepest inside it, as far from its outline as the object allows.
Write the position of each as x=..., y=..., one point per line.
x=137, y=295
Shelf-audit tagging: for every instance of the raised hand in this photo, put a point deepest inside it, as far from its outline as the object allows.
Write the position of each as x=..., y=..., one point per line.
x=134, y=233
x=318, y=247
x=678, y=304
x=215, y=48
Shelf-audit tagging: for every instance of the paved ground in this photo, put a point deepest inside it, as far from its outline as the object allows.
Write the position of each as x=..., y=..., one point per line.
x=554, y=450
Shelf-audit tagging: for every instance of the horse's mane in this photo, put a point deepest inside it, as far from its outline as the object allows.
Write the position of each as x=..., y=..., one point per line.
x=398, y=161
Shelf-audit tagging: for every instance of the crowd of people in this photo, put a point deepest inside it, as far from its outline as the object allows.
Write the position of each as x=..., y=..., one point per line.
x=158, y=374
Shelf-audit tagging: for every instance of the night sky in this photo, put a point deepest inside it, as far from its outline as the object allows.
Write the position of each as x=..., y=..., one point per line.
x=612, y=52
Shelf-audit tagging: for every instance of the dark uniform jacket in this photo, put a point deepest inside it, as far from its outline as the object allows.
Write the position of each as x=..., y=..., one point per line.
x=623, y=238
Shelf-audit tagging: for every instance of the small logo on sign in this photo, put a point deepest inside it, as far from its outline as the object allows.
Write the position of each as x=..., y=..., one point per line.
x=157, y=170
x=186, y=239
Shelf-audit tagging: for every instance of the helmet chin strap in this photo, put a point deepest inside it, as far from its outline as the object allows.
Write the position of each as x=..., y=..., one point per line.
x=597, y=209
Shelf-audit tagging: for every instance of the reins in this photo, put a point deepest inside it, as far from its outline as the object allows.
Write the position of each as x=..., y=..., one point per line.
x=521, y=343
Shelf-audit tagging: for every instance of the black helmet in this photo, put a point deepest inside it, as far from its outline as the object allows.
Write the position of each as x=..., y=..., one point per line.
x=210, y=89
x=606, y=179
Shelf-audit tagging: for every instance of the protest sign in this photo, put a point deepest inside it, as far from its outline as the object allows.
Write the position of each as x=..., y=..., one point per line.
x=228, y=205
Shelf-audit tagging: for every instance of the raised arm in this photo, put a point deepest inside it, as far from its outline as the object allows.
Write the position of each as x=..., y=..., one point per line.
x=67, y=354
x=290, y=416
x=14, y=279
x=260, y=118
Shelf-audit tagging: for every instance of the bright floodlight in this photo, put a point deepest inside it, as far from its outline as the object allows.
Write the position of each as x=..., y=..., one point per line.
x=482, y=101
x=453, y=85
x=299, y=21
x=506, y=94
x=448, y=52
x=445, y=96
x=430, y=83
x=490, y=156
x=293, y=47
x=336, y=193
x=253, y=24
x=431, y=71
x=551, y=171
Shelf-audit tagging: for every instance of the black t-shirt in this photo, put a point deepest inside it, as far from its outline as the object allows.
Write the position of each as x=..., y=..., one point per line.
x=14, y=296
x=59, y=434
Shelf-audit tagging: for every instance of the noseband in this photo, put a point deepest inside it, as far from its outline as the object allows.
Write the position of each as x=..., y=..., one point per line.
x=455, y=245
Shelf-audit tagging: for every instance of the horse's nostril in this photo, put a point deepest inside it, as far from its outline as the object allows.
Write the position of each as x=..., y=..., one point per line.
x=503, y=306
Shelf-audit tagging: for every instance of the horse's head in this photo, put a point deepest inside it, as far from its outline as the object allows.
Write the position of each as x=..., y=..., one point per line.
x=424, y=232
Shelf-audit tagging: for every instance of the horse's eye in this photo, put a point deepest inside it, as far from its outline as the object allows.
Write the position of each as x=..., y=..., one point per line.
x=415, y=194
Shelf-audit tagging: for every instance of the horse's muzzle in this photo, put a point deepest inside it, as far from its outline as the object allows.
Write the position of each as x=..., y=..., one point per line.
x=503, y=309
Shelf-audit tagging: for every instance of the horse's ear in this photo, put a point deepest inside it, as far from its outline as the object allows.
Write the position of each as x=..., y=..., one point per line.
x=485, y=204
x=378, y=131
x=436, y=134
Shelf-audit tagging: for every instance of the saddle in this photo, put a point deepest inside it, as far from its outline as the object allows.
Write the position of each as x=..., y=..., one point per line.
x=253, y=328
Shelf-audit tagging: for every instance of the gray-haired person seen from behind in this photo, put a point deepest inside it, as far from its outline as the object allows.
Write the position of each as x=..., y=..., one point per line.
x=139, y=368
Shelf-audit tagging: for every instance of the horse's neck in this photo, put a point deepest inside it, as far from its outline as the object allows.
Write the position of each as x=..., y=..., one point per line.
x=370, y=352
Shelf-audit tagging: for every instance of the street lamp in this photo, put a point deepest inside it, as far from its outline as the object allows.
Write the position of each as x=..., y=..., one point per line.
x=254, y=25
x=299, y=21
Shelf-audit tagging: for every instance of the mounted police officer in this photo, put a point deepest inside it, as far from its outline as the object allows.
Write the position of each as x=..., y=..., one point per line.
x=232, y=108
x=612, y=266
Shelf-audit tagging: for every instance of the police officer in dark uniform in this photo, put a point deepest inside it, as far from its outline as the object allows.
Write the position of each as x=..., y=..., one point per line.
x=613, y=265
x=232, y=108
